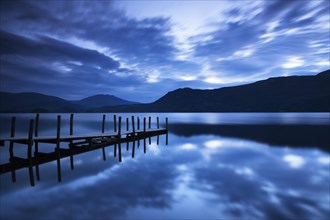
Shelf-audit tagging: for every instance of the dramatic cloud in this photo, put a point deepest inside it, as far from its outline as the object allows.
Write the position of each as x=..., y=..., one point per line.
x=141, y=50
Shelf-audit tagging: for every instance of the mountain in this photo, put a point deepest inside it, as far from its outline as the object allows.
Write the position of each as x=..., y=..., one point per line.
x=33, y=102
x=98, y=101
x=272, y=134
x=280, y=94
x=36, y=102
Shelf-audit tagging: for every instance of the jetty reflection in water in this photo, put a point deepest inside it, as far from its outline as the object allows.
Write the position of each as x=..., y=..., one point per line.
x=76, y=144
x=205, y=172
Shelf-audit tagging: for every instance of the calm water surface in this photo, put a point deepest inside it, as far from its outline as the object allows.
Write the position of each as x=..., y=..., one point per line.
x=216, y=166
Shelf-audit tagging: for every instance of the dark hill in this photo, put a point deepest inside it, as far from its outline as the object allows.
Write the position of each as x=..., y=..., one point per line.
x=98, y=101
x=280, y=94
x=33, y=102
x=36, y=102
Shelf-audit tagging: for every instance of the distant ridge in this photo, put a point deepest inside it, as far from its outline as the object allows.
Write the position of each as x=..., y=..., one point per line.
x=36, y=102
x=278, y=94
x=98, y=101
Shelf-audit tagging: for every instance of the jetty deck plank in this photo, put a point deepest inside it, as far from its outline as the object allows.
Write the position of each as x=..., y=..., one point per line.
x=68, y=138
x=77, y=137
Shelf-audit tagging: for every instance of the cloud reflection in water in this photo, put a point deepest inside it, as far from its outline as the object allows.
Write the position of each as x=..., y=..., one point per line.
x=201, y=175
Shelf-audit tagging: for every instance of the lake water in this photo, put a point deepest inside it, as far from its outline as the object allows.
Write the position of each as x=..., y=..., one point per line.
x=215, y=166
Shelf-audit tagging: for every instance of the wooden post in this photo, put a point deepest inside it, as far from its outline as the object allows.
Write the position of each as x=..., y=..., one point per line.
x=119, y=127
x=157, y=122
x=157, y=139
x=119, y=139
x=138, y=123
x=149, y=127
x=103, y=129
x=58, y=134
x=144, y=135
x=138, y=128
x=37, y=125
x=71, y=124
x=58, y=131
x=166, y=125
x=71, y=142
x=11, y=146
x=36, y=144
x=133, y=125
x=29, y=151
x=103, y=124
x=144, y=125
x=115, y=130
x=127, y=128
x=115, y=123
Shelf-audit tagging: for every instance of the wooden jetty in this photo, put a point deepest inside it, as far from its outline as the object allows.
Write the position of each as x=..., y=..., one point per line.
x=76, y=144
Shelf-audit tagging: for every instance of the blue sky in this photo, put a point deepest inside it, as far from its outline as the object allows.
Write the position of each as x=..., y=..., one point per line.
x=140, y=50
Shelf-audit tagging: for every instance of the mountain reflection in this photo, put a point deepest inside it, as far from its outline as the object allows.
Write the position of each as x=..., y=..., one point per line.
x=274, y=135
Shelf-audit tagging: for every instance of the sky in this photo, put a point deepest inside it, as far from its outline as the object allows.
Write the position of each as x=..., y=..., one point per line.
x=140, y=50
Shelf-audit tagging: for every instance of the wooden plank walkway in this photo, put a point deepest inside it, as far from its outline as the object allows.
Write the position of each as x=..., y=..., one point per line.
x=76, y=143
x=68, y=138
x=41, y=158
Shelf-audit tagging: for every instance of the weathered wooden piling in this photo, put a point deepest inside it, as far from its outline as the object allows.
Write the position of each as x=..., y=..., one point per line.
x=36, y=145
x=119, y=139
x=115, y=130
x=166, y=123
x=103, y=124
x=58, y=143
x=36, y=130
x=149, y=127
x=11, y=146
x=138, y=128
x=127, y=128
x=166, y=127
x=115, y=123
x=144, y=139
x=71, y=142
x=144, y=124
x=133, y=135
x=138, y=123
x=30, y=143
x=103, y=129
x=133, y=125
x=71, y=124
